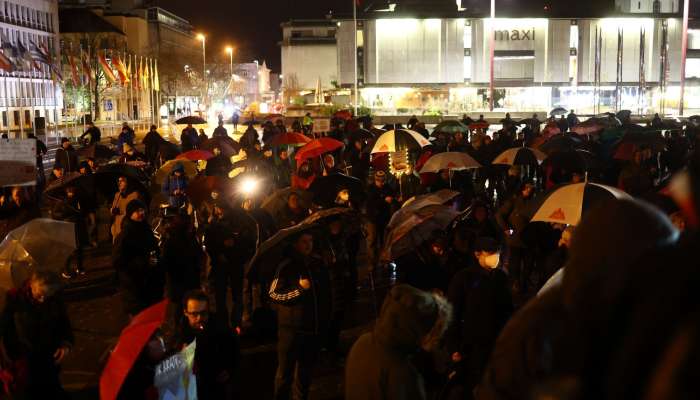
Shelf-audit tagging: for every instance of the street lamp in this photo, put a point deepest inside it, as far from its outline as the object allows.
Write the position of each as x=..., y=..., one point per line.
x=229, y=50
x=204, y=63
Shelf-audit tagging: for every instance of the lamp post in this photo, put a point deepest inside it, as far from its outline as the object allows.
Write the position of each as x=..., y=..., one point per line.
x=229, y=50
x=204, y=64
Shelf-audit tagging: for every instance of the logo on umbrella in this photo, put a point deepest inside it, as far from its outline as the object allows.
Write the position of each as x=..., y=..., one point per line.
x=558, y=214
x=384, y=147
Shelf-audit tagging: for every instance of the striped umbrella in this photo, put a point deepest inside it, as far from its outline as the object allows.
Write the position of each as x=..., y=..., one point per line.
x=520, y=156
x=451, y=160
x=568, y=203
x=399, y=139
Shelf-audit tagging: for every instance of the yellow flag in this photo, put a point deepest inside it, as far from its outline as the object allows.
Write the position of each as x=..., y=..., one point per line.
x=156, y=82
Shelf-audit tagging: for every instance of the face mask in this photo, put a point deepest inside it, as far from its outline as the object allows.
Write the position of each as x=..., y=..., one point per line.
x=491, y=261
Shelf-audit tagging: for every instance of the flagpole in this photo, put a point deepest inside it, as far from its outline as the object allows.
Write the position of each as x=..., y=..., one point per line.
x=157, y=92
x=354, y=34
x=131, y=91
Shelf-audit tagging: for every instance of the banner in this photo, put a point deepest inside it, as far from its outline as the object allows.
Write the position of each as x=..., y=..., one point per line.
x=17, y=162
x=174, y=378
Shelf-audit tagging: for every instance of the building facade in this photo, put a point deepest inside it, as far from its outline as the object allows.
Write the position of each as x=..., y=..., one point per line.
x=442, y=65
x=29, y=92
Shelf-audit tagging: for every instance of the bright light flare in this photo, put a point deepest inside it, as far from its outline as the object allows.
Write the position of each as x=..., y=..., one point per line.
x=249, y=185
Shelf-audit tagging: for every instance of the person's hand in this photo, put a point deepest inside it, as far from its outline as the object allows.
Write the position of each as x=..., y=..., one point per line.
x=305, y=283
x=223, y=377
x=456, y=357
x=60, y=354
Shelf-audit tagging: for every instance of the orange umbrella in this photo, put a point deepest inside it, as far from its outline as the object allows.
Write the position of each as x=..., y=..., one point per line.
x=131, y=341
x=317, y=147
x=195, y=155
x=289, y=139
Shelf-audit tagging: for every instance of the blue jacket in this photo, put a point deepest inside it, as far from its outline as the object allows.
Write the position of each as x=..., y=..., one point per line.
x=173, y=183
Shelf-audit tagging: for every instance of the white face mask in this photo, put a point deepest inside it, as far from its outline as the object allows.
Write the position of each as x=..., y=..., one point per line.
x=491, y=261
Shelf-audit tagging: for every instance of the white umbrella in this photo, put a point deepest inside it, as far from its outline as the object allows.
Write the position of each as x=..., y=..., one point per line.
x=451, y=160
x=399, y=139
x=566, y=204
x=520, y=156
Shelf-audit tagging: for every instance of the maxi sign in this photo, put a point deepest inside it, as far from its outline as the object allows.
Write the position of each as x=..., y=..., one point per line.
x=514, y=34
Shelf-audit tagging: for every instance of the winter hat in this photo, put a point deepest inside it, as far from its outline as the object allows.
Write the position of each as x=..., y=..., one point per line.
x=409, y=315
x=65, y=139
x=133, y=206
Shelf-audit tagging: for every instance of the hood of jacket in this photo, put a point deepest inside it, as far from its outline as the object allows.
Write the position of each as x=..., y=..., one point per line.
x=408, y=315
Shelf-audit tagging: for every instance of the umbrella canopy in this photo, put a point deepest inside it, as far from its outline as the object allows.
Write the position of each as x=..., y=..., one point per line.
x=631, y=142
x=399, y=139
x=97, y=151
x=317, y=147
x=588, y=127
x=200, y=188
x=325, y=189
x=442, y=196
x=191, y=119
x=573, y=160
x=362, y=135
x=195, y=155
x=189, y=166
x=451, y=127
x=105, y=179
x=39, y=245
x=415, y=228
x=56, y=190
x=623, y=115
x=550, y=130
x=288, y=139
x=561, y=142
x=479, y=125
x=568, y=203
x=520, y=156
x=228, y=146
x=131, y=342
x=558, y=111
x=453, y=160
x=277, y=201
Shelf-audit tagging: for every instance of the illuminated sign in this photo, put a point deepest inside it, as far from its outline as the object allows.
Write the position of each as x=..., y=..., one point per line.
x=514, y=34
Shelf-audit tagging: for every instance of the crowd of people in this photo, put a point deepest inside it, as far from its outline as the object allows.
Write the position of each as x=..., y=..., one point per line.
x=482, y=301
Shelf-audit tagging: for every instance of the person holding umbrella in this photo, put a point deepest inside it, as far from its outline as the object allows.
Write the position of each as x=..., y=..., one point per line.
x=380, y=201
x=220, y=131
x=37, y=335
x=135, y=258
x=189, y=138
x=175, y=186
x=301, y=291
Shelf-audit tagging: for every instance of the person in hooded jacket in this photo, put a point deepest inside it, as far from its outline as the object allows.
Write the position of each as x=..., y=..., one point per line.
x=134, y=257
x=380, y=364
x=560, y=335
x=301, y=292
x=189, y=139
x=482, y=303
x=175, y=186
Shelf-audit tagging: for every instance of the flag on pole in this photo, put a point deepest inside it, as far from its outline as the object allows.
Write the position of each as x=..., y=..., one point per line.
x=137, y=74
x=156, y=81
x=6, y=63
x=121, y=69
x=22, y=56
x=107, y=69
x=37, y=55
x=74, y=70
x=146, y=76
x=87, y=69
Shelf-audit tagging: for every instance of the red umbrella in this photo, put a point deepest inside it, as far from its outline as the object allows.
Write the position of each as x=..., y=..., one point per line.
x=132, y=340
x=200, y=188
x=195, y=155
x=345, y=115
x=317, y=147
x=479, y=125
x=289, y=139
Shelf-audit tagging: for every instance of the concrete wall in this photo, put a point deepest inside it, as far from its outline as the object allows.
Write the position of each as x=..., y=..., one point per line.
x=310, y=62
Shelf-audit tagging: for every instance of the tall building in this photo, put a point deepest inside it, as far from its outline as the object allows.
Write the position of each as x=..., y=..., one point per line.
x=412, y=58
x=28, y=92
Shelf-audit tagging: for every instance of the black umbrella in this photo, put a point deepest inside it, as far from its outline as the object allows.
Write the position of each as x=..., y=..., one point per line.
x=191, y=119
x=56, y=190
x=623, y=115
x=361, y=135
x=228, y=146
x=450, y=127
x=561, y=142
x=97, y=151
x=107, y=175
x=558, y=111
x=573, y=160
x=275, y=203
x=325, y=189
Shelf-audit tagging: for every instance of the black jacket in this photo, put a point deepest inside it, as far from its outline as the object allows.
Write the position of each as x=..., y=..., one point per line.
x=182, y=260
x=67, y=159
x=30, y=329
x=94, y=133
x=377, y=209
x=220, y=131
x=152, y=141
x=302, y=310
x=240, y=228
x=140, y=282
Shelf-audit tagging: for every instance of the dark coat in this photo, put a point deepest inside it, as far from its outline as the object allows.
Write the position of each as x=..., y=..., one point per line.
x=67, y=159
x=302, y=310
x=513, y=214
x=189, y=139
x=220, y=131
x=377, y=209
x=140, y=282
x=71, y=210
x=237, y=226
x=218, y=166
x=94, y=133
x=182, y=260
x=482, y=304
x=421, y=271
x=152, y=141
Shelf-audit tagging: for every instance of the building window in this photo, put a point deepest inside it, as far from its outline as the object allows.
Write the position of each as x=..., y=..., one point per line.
x=16, y=118
x=4, y=119
x=27, y=117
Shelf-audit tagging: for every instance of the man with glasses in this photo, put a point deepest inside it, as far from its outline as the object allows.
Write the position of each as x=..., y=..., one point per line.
x=217, y=353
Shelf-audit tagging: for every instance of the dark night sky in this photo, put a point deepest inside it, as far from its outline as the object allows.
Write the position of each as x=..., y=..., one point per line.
x=253, y=26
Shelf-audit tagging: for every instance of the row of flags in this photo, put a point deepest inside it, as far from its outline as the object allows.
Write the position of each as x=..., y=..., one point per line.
x=139, y=72
x=118, y=70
